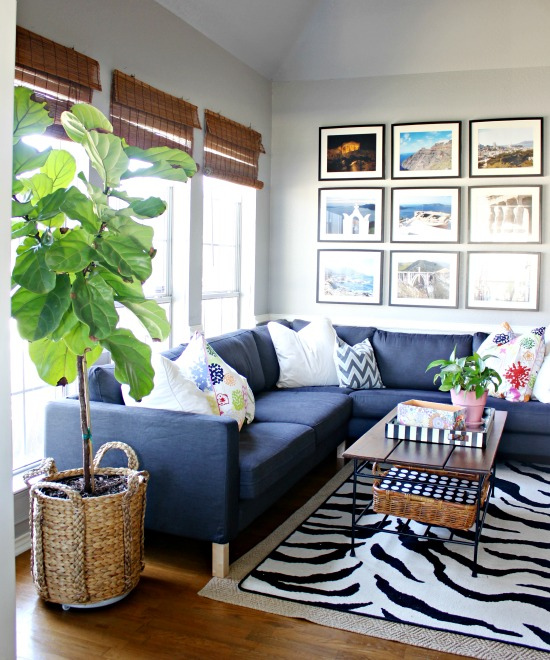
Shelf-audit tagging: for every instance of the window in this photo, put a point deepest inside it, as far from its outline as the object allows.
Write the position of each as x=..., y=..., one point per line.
x=29, y=394
x=227, y=279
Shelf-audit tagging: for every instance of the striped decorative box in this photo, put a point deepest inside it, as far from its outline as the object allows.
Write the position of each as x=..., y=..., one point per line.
x=476, y=438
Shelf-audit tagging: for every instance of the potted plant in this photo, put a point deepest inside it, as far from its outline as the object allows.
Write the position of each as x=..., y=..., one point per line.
x=468, y=379
x=77, y=258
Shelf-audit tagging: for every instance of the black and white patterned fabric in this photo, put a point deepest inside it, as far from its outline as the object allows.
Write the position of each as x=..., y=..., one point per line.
x=428, y=583
x=356, y=365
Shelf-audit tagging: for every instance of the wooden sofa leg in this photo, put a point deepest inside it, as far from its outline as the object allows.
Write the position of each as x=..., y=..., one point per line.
x=220, y=559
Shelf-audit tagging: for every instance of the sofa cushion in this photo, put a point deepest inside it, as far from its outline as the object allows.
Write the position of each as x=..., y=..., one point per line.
x=305, y=357
x=402, y=357
x=356, y=365
x=324, y=412
x=103, y=385
x=352, y=334
x=173, y=391
x=377, y=403
x=268, y=451
x=268, y=356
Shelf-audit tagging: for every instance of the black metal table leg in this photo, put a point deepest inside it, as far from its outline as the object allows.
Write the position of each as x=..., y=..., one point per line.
x=354, y=505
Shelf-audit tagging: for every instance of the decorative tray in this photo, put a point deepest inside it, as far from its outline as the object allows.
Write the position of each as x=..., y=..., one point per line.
x=475, y=437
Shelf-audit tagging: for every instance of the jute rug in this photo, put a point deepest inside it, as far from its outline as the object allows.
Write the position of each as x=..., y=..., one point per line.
x=417, y=592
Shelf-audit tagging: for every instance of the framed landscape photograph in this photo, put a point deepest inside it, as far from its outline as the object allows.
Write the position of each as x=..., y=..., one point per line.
x=350, y=214
x=349, y=276
x=503, y=280
x=351, y=152
x=424, y=279
x=425, y=215
x=505, y=214
x=506, y=147
x=421, y=151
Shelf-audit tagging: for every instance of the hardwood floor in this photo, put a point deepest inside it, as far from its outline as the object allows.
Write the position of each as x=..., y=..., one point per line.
x=164, y=618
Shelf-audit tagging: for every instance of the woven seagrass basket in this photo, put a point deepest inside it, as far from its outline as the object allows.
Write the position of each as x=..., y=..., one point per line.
x=427, y=509
x=87, y=550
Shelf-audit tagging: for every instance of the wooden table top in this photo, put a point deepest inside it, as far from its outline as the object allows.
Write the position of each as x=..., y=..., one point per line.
x=374, y=446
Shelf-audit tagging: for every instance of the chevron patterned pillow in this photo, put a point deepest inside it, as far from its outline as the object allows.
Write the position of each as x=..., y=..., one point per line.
x=356, y=366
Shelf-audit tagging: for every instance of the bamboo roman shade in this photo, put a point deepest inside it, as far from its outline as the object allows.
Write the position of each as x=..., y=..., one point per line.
x=59, y=75
x=231, y=150
x=147, y=117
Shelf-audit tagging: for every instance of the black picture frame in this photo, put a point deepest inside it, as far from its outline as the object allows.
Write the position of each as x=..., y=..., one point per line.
x=351, y=152
x=354, y=215
x=349, y=276
x=425, y=215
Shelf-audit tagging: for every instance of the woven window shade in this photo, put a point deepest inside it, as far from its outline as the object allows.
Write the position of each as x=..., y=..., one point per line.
x=59, y=75
x=147, y=117
x=231, y=150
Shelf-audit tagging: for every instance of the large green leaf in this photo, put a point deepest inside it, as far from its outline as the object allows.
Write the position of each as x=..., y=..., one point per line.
x=152, y=316
x=67, y=323
x=31, y=270
x=49, y=207
x=163, y=159
x=27, y=158
x=54, y=361
x=20, y=209
x=60, y=167
x=91, y=118
x=132, y=360
x=23, y=228
x=133, y=232
x=70, y=253
x=94, y=305
x=107, y=156
x=78, y=340
x=124, y=256
x=39, y=184
x=77, y=206
x=123, y=290
x=38, y=315
x=29, y=117
x=151, y=207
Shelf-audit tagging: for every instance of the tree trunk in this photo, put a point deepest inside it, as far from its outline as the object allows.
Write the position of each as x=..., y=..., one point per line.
x=85, y=423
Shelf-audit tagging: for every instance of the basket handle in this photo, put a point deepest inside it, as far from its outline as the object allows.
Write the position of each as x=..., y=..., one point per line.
x=46, y=467
x=133, y=463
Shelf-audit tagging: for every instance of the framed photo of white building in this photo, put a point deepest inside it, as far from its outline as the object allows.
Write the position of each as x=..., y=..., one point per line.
x=505, y=214
x=351, y=214
x=425, y=215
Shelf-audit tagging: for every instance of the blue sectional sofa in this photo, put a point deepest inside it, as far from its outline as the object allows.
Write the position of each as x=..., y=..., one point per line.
x=209, y=481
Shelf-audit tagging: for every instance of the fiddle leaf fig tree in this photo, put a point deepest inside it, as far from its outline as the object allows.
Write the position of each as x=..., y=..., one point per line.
x=78, y=256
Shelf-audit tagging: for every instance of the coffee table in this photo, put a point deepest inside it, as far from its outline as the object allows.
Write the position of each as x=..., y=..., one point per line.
x=374, y=447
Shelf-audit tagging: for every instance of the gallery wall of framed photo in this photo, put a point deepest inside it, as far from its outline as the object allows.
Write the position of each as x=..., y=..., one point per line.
x=435, y=228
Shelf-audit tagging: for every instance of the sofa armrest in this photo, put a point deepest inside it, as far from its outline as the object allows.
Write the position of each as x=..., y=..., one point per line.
x=193, y=461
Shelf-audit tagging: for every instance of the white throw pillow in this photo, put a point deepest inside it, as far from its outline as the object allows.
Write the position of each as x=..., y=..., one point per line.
x=173, y=391
x=305, y=357
x=541, y=390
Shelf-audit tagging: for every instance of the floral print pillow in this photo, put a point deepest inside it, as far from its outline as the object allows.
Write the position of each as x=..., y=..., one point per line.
x=518, y=360
x=230, y=391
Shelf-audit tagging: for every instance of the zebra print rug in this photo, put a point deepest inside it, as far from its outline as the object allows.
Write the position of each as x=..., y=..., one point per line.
x=417, y=592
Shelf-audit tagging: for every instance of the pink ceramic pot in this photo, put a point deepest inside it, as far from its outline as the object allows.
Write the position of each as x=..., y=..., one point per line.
x=474, y=407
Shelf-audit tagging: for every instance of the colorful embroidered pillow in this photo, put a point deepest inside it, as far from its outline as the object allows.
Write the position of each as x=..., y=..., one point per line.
x=502, y=335
x=518, y=362
x=173, y=391
x=200, y=362
x=356, y=365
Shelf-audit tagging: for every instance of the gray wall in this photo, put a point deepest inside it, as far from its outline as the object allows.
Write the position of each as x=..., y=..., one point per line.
x=300, y=108
x=141, y=38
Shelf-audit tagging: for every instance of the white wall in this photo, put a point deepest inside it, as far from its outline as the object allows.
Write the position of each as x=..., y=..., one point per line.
x=300, y=108
x=7, y=565
x=142, y=38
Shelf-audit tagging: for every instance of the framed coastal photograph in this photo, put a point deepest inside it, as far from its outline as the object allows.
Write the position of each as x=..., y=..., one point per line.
x=506, y=147
x=425, y=215
x=503, y=280
x=421, y=151
x=350, y=214
x=351, y=152
x=424, y=279
x=505, y=214
x=349, y=276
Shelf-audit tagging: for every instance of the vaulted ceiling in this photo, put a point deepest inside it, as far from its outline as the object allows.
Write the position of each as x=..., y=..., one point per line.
x=321, y=39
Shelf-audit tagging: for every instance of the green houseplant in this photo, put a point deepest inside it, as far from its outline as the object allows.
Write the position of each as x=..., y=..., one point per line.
x=78, y=257
x=468, y=379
